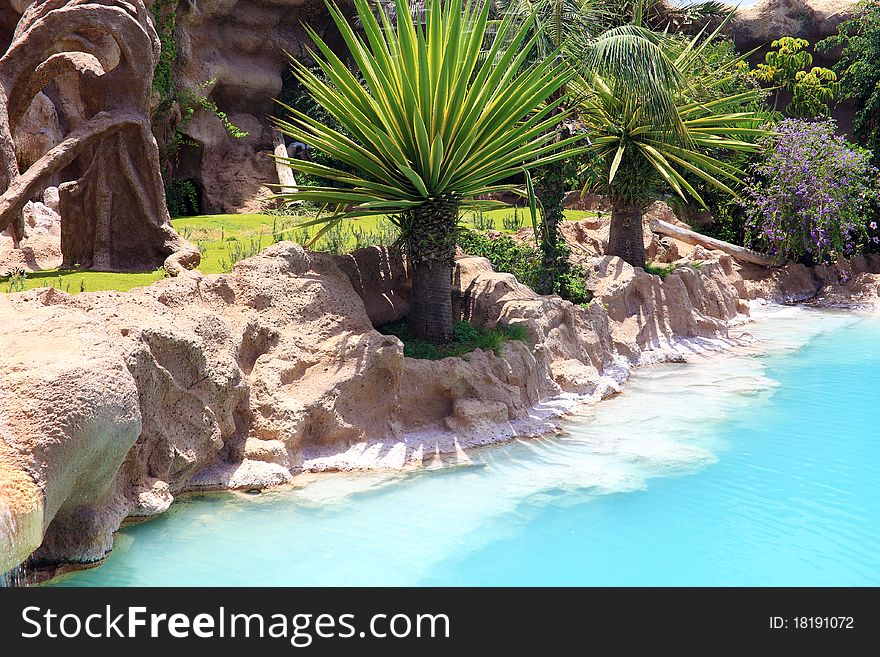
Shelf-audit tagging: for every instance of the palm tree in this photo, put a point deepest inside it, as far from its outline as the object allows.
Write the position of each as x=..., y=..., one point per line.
x=554, y=22
x=615, y=39
x=438, y=123
x=642, y=146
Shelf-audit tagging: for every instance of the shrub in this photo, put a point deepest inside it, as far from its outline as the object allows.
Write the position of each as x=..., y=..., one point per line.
x=17, y=278
x=481, y=221
x=571, y=284
x=789, y=66
x=524, y=261
x=810, y=196
x=506, y=254
x=513, y=222
x=728, y=223
x=859, y=70
x=465, y=338
x=242, y=249
x=182, y=198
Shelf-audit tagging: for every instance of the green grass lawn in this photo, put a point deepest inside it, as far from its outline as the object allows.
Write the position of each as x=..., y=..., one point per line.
x=225, y=238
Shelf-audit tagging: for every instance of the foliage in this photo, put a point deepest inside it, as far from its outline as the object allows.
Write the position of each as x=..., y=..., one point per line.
x=505, y=254
x=639, y=148
x=165, y=20
x=728, y=223
x=859, y=70
x=663, y=270
x=513, y=222
x=241, y=249
x=554, y=24
x=295, y=95
x=182, y=198
x=16, y=279
x=188, y=102
x=655, y=15
x=524, y=261
x=465, y=338
x=436, y=118
x=811, y=194
x=727, y=214
x=789, y=66
x=480, y=221
x=571, y=285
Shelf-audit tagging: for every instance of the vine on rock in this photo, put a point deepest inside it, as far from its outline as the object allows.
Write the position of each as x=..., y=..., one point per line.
x=176, y=109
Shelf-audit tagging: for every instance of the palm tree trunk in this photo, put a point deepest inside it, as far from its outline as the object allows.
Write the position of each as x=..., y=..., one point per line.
x=431, y=245
x=626, y=238
x=430, y=312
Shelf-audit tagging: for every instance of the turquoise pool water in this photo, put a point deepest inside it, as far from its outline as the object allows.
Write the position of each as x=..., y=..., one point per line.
x=750, y=470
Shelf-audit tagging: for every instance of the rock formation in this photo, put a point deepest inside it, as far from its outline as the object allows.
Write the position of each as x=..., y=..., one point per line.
x=234, y=52
x=112, y=404
x=98, y=55
x=756, y=26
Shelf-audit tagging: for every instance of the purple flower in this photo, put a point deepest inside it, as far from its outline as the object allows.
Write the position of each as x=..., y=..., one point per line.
x=810, y=193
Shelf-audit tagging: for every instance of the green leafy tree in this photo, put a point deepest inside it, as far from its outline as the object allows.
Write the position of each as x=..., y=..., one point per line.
x=438, y=123
x=859, y=70
x=789, y=66
x=642, y=147
x=614, y=38
x=554, y=23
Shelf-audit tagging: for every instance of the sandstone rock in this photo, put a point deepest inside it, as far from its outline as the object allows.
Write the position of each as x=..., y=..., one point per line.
x=21, y=512
x=113, y=404
x=767, y=20
x=270, y=451
x=40, y=219
x=469, y=414
x=793, y=282
x=381, y=279
x=70, y=415
x=52, y=200
x=234, y=178
x=38, y=131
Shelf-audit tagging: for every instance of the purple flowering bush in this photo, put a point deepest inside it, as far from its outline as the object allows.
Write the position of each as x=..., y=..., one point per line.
x=812, y=195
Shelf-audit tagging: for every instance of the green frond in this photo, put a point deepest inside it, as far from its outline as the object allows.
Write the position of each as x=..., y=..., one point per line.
x=435, y=115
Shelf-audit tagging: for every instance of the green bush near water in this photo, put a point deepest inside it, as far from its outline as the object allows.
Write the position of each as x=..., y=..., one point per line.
x=465, y=338
x=524, y=261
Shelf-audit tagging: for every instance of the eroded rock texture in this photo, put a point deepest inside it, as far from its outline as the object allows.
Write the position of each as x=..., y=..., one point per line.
x=95, y=58
x=756, y=26
x=114, y=403
x=234, y=52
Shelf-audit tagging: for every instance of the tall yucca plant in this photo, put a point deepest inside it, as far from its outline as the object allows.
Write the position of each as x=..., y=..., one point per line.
x=637, y=153
x=442, y=118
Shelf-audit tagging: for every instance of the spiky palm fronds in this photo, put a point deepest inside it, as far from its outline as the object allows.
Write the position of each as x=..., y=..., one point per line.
x=434, y=119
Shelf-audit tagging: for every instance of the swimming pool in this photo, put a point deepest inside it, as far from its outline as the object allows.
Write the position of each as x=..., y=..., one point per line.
x=750, y=470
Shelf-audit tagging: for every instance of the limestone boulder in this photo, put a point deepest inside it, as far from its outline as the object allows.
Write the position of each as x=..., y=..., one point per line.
x=381, y=278
x=756, y=26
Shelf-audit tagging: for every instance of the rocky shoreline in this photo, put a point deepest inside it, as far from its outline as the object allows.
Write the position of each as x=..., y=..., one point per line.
x=115, y=403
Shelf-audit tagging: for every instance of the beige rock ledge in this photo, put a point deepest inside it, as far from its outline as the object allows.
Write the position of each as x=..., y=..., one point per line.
x=112, y=404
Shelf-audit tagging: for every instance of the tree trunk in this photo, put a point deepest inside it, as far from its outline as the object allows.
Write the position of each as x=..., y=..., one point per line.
x=430, y=312
x=551, y=181
x=431, y=246
x=626, y=238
